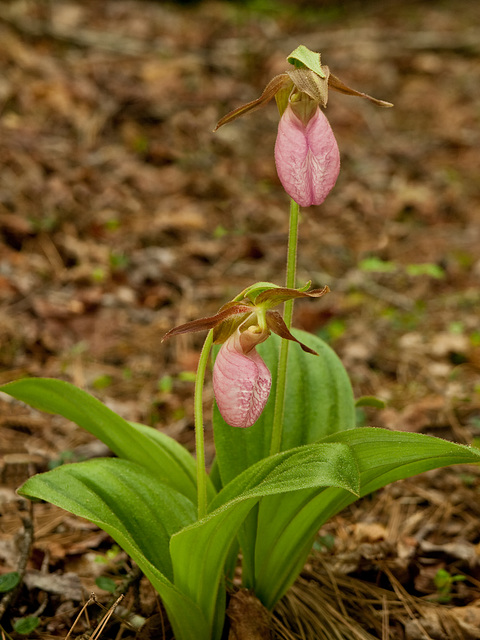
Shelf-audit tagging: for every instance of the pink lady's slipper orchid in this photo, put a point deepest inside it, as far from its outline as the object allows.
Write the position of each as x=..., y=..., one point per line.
x=307, y=157
x=306, y=152
x=241, y=380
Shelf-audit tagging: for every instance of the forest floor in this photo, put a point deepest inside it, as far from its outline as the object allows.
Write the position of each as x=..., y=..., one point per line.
x=122, y=214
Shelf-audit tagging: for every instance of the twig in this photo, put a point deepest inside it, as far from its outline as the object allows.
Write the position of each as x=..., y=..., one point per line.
x=130, y=579
x=94, y=634
x=5, y=635
x=103, y=623
x=406, y=600
x=89, y=601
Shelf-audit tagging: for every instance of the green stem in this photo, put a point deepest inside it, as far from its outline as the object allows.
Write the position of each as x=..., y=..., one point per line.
x=199, y=435
x=291, y=259
x=287, y=316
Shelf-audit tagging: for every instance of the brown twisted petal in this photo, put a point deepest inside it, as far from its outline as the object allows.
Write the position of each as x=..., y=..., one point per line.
x=276, y=324
x=337, y=84
x=209, y=322
x=276, y=84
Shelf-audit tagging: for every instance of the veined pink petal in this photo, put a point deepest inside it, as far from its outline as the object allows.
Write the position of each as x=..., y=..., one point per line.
x=241, y=383
x=307, y=157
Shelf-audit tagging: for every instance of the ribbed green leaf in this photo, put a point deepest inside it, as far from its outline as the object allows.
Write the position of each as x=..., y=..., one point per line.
x=120, y=494
x=313, y=465
x=140, y=513
x=198, y=574
x=287, y=527
x=162, y=455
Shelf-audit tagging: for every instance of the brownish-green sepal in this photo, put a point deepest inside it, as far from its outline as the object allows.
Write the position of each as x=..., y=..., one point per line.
x=273, y=297
x=230, y=324
x=276, y=324
x=276, y=84
x=269, y=295
x=336, y=84
x=231, y=309
x=314, y=85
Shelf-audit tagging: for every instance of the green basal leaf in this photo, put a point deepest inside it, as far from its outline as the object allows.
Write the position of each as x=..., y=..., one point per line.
x=162, y=455
x=119, y=494
x=199, y=554
x=385, y=456
x=304, y=57
x=140, y=513
x=198, y=574
x=287, y=529
x=311, y=465
x=174, y=464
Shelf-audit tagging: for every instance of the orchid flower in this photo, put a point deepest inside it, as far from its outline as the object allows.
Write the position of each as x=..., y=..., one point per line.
x=241, y=380
x=307, y=157
x=306, y=152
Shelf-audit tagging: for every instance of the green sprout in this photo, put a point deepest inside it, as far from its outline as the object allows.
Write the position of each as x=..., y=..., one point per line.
x=444, y=582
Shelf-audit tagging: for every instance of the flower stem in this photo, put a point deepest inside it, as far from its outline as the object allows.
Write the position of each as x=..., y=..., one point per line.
x=287, y=316
x=291, y=259
x=199, y=435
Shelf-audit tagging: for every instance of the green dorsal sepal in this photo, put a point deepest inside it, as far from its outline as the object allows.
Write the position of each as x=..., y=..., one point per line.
x=303, y=57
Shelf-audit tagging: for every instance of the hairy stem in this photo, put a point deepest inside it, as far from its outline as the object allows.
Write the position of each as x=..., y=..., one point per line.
x=287, y=316
x=199, y=435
